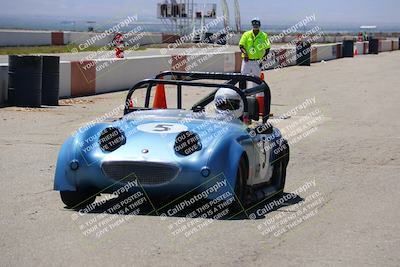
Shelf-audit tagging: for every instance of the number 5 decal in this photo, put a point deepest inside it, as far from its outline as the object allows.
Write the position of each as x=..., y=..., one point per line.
x=162, y=128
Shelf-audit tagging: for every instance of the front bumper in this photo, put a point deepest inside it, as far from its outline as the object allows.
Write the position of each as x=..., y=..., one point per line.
x=155, y=179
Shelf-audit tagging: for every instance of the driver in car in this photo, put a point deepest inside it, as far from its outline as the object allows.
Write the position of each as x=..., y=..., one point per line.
x=229, y=102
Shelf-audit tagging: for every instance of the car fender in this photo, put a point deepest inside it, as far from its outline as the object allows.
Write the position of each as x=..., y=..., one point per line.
x=225, y=159
x=64, y=179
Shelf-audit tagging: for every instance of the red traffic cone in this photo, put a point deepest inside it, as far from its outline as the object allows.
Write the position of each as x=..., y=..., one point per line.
x=119, y=53
x=160, y=101
x=262, y=76
x=130, y=104
x=260, y=98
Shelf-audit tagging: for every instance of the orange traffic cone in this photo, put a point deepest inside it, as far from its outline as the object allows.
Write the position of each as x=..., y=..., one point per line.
x=260, y=98
x=160, y=101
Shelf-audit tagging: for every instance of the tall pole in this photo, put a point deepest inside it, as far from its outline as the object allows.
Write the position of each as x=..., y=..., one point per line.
x=237, y=16
x=225, y=11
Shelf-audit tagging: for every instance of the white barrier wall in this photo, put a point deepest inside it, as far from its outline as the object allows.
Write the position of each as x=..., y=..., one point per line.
x=3, y=83
x=65, y=79
x=29, y=38
x=24, y=38
x=123, y=74
x=206, y=62
x=325, y=52
x=101, y=39
x=87, y=38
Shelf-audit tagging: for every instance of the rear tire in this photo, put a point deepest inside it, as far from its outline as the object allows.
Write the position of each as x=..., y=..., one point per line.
x=77, y=199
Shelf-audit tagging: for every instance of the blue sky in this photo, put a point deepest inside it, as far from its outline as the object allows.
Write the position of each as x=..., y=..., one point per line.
x=278, y=11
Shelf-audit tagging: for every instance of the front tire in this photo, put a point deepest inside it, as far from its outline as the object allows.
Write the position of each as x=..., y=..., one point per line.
x=279, y=172
x=77, y=199
x=240, y=196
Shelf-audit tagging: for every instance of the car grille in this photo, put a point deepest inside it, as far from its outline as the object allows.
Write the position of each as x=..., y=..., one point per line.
x=147, y=173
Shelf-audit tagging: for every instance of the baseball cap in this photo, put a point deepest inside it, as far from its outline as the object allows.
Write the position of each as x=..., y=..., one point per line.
x=256, y=22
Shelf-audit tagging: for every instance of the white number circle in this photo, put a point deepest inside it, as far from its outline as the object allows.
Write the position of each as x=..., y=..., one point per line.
x=162, y=127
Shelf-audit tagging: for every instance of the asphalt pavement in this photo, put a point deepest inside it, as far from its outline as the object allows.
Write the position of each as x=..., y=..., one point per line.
x=344, y=170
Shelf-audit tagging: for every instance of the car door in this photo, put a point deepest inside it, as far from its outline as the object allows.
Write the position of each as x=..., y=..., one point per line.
x=263, y=147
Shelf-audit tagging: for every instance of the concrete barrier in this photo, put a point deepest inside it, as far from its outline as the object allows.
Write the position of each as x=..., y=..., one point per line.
x=272, y=61
x=395, y=44
x=107, y=75
x=31, y=38
x=323, y=52
x=169, y=38
x=229, y=62
x=291, y=57
x=124, y=73
x=3, y=83
x=385, y=45
x=314, y=54
x=234, y=39
x=65, y=79
x=24, y=38
x=86, y=39
x=206, y=62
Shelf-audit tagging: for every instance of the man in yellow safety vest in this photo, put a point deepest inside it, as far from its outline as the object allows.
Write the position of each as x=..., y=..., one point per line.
x=255, y=46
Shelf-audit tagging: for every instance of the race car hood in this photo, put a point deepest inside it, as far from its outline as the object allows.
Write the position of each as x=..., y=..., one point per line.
x=151, y=135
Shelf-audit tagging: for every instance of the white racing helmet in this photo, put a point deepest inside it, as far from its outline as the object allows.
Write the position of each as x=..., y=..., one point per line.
x=228, y=100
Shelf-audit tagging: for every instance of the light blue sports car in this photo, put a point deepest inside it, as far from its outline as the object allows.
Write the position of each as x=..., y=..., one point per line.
x=171, y=152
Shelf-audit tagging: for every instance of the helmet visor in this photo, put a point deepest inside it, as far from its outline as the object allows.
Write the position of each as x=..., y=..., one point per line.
x=228, y=104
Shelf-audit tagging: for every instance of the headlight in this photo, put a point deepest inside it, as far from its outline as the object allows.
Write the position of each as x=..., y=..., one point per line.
x=111, y=138
x=187, y=142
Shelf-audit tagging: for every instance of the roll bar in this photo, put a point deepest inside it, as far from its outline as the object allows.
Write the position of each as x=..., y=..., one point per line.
x=181, y=78
x=151, y=82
